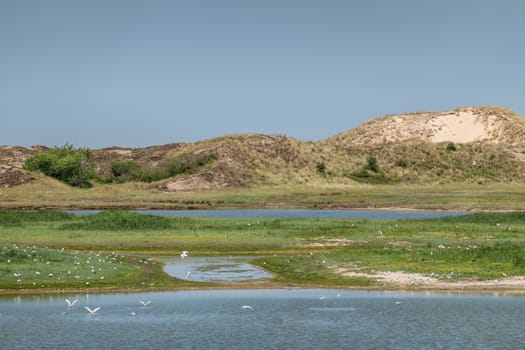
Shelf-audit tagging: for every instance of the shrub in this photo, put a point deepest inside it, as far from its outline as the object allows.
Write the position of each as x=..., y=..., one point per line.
x=190, y=163
x=321, y=168
x=451, y=146
x=372, y=164
x=125, y=170
x=371, y=173
x=68, y=164
x=122, y=171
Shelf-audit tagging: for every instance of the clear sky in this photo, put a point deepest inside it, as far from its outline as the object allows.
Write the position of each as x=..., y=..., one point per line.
x=98, y=73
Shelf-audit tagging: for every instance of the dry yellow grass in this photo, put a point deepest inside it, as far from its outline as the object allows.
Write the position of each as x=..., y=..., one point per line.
x=276, y=168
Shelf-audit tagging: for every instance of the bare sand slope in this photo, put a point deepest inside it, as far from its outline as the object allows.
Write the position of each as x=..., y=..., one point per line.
x=464, y=125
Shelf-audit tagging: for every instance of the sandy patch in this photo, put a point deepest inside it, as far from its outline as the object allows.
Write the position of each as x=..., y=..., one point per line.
x=333, y=242
x=121, y=152
x=462, y=127
x=459, y=126
x=404, y=280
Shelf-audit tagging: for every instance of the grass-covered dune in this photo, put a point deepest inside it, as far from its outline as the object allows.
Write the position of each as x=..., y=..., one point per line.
x=120, y=250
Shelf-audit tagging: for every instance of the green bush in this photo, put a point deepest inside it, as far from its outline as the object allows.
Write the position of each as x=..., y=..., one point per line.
x=125, y=170
x=451, y=146
x=371, y=173
x=190, y=163
x=321, y=168
x=122, y=171
x=372, y=164
x=68, y=164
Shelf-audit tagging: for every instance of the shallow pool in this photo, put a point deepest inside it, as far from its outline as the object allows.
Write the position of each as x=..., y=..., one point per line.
x=215, y=269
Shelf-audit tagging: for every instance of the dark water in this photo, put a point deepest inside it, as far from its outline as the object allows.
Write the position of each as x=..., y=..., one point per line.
x=280, y=319
x=295, y=214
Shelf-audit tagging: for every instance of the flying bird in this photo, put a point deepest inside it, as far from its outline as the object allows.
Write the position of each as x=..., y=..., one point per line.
x=184, y=254
x=246, y=307
x=92, y=312
x=71, y=303
x=145, y=303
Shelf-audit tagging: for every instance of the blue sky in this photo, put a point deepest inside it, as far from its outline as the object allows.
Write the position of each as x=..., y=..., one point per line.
x=98, y=73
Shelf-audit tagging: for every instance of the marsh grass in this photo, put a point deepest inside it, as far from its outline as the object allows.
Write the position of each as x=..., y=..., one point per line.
x=442, y=261
x=119, y=221
x=48, y=193
x=302, y=251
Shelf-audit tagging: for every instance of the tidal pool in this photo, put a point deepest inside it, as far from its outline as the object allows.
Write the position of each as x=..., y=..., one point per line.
x=215, y=269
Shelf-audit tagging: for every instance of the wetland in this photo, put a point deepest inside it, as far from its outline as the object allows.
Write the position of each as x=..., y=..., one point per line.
x=46, y=251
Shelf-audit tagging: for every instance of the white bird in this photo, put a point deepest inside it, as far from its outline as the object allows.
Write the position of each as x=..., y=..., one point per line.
x=188, y=274
x=133, y=314
x=246, y=307
x=71, y=303
x=145, y=303
x=184, y=254
x=322, y=297
x=92, y=312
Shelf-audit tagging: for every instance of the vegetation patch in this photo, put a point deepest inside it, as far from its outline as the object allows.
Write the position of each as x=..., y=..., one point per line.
x=371, y=173
x=127, y=170
x=31, y=267
x=115, y=220
x=67, y=163
x=310, y=252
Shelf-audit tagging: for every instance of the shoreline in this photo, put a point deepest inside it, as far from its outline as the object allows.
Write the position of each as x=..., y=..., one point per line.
x=511, y=286
x=193, y=208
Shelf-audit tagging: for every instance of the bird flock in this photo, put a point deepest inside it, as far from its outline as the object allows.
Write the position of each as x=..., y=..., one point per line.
x=93, y=311
x=36, y=267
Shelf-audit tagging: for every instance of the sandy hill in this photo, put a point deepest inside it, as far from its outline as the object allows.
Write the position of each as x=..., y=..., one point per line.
x=243, y=160
x=476, y=144
x=464, y=125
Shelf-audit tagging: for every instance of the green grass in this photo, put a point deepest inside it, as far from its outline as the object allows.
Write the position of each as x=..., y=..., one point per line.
x=31, y=267
x=449, y=263
x=297, y=251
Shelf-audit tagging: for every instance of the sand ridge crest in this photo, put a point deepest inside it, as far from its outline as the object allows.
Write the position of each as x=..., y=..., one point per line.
x=463, y=125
